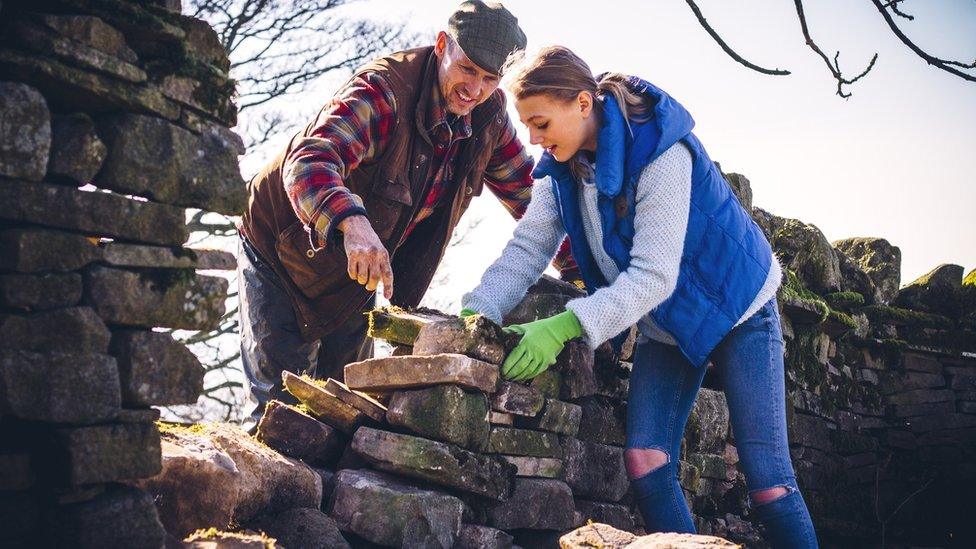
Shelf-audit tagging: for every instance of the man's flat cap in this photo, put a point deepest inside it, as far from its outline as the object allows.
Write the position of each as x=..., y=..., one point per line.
x=487, y=32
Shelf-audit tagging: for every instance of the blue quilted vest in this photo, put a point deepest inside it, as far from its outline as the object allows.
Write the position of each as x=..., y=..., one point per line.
x=726, y=257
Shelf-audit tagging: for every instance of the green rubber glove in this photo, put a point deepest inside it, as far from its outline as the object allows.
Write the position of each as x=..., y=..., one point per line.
x=465, y=313
x=541, y=343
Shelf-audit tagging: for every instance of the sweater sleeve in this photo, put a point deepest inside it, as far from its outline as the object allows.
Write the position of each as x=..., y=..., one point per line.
x=532, y=247
x=663, y=201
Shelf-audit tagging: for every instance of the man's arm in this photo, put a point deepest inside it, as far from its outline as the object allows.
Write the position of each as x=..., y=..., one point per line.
x=352, y=129
x=509, y=177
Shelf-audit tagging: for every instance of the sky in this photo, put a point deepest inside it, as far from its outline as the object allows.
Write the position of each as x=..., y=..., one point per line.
x=893, y=161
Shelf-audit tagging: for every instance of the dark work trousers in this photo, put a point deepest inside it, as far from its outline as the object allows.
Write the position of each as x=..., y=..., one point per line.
x=271, y=341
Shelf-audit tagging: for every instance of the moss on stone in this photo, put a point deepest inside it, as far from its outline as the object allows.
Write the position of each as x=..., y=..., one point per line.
x=794, y=289
x=842, y=318
x=883, y=314
x=844, y=300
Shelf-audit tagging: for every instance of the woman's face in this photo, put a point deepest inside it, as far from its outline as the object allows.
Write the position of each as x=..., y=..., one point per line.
x=560, y=127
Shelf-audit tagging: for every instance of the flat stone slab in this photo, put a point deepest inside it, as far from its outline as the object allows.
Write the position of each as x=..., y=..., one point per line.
x=616, y=515
x=608, y=537
x=120, y=254
x=516, y=398
x=35, y=250
x=155, y=369
x=444, y=412
x=298, y=435
x=536, y=467
x=40, y=292
x=105, y=453
x=474, y=336
x=59, y=387
x=359, y=400
x=168, y=298
x=74, y=329
x=473, y=536
x=322, y=404
x=536, y=306
x=537, y=504
x=401, y=326
x=406, y=372
x=437, y=462
x=595, y=471
x=25, y=132
x=556, y=417
x=523, y=442
x=384, y=510
x=96, y=213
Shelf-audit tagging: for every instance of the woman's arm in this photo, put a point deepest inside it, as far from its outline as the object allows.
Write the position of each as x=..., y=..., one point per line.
x=532, y=247
x=663, y=201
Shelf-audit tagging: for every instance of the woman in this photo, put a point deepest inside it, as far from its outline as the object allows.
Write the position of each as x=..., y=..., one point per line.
x=661, y=242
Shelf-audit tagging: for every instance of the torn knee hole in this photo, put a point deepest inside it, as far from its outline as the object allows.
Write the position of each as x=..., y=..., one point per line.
x=768, y=495
x=641, y=461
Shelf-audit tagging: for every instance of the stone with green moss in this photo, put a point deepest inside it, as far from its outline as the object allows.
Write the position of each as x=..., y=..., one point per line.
x=524, y=442
x=400, y=326
x=556, y=417
x=446, y=413
x=474, y=336
x=595, y=471
x=803, y=249
x=936, y=292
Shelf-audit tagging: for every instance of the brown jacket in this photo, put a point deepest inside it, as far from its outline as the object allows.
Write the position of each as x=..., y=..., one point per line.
x=392, y=187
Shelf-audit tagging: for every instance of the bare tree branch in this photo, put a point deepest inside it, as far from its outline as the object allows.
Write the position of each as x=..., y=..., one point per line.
x=835, y=66
x=944, y=64
x=728, y=50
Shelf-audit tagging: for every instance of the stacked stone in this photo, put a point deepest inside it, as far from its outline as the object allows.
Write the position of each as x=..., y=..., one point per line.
x=113, y=120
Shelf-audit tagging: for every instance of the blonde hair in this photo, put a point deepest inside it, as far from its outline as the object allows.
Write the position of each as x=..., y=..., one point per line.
x=557, y=72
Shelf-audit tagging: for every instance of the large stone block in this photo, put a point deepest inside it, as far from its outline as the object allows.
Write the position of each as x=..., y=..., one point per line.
x=595, y=471
x=40, y=292
x=301, y=527
x=76, y=151
x=608, y=537
x=34, y=250
x=400, y=326
x=556, y=417
x=74, y=89
x=122, y=516
x=59, y=387
x=384, y=510
x=92, y=32
x=935, y=292
x=104, y=453
x=575, y=366
x=298, y=435
x=708, y=424
x=25, y=132
x=526, y=466
x=322, y=404
x=537, y=504
x=518, y=399
x=358, y=400
x=878, y=259
x=435, y=462
x=536, y=306
x=151, y=157
x=803, y=249
x=523, y=442
x=120, y=254
x=167, y=298
x=37, y=38
x=474, y=336
x=76, y=329
x=155, y=369
x=405, y=372
x=97, y=213
x=444, y=412
x=473, y=536
x=603, y=421
x=616, y=515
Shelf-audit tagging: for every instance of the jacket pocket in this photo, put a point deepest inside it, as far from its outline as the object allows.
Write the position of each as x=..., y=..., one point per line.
x=313, y=272
x=391, y=200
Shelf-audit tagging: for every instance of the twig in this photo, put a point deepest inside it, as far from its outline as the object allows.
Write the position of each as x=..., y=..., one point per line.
x=835, y=66
x=725, y=47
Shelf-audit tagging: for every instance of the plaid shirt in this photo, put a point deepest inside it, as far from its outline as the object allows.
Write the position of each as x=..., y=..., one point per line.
x=355, y=128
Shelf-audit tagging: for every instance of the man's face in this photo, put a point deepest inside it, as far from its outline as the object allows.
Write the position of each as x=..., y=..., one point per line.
x=464, y=85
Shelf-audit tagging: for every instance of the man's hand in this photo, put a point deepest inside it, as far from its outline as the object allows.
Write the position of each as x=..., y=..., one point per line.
x=368, y=261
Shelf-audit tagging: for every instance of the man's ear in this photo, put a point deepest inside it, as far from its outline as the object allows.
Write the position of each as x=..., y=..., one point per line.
x=440, y=45
x=585, y=101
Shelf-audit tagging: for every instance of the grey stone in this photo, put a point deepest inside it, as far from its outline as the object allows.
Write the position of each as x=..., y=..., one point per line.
x=25, y=132
x=538, y=504
x=615, y=515
x=40, y=292
x=155, y=369
x=104, y=453
x=524, y=442
x=595, y=471
x=302, y=528
x=74, y=89
x=742, y=189
x=473, y=536
x=400, y=326
x=896, y=382
x=322, y=404
x=445, y=412
x=935, y=292
x=436, y=462
x=518, y=399
x=603, y=421
x=536, y=467
x=575, y=366
x=120, y=254
x=38, y=39
x=921, y=396
x=406, y=372
x=360, y=401
x=151, y=157
x=121, y=517
x=204, y=44
x=92, y=32
x=708, y=424
x=76, y=152
x=59, y=387
x=298, y=435
x=879, y=259
x=34, y=250
x=383, y=510
x=803, y=249
x=536, y=306
x=556, y=417
x=921, y=363
x=711, y=466
x=549, y=383
x=168, y=298
x=474, y=336
x=549, y=285
x=96, y=213
x=809, y=431
x=77, y=329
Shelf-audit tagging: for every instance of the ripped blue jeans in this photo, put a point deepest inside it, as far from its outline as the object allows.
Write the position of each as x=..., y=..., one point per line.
x=663, y=387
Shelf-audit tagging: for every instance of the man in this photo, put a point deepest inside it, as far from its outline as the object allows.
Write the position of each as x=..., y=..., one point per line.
x=370, y=192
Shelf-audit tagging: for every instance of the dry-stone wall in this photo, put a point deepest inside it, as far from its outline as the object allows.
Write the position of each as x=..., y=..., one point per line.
x=114, y=118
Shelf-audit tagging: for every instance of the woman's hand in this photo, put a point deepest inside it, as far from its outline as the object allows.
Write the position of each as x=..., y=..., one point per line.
x=542, y=341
